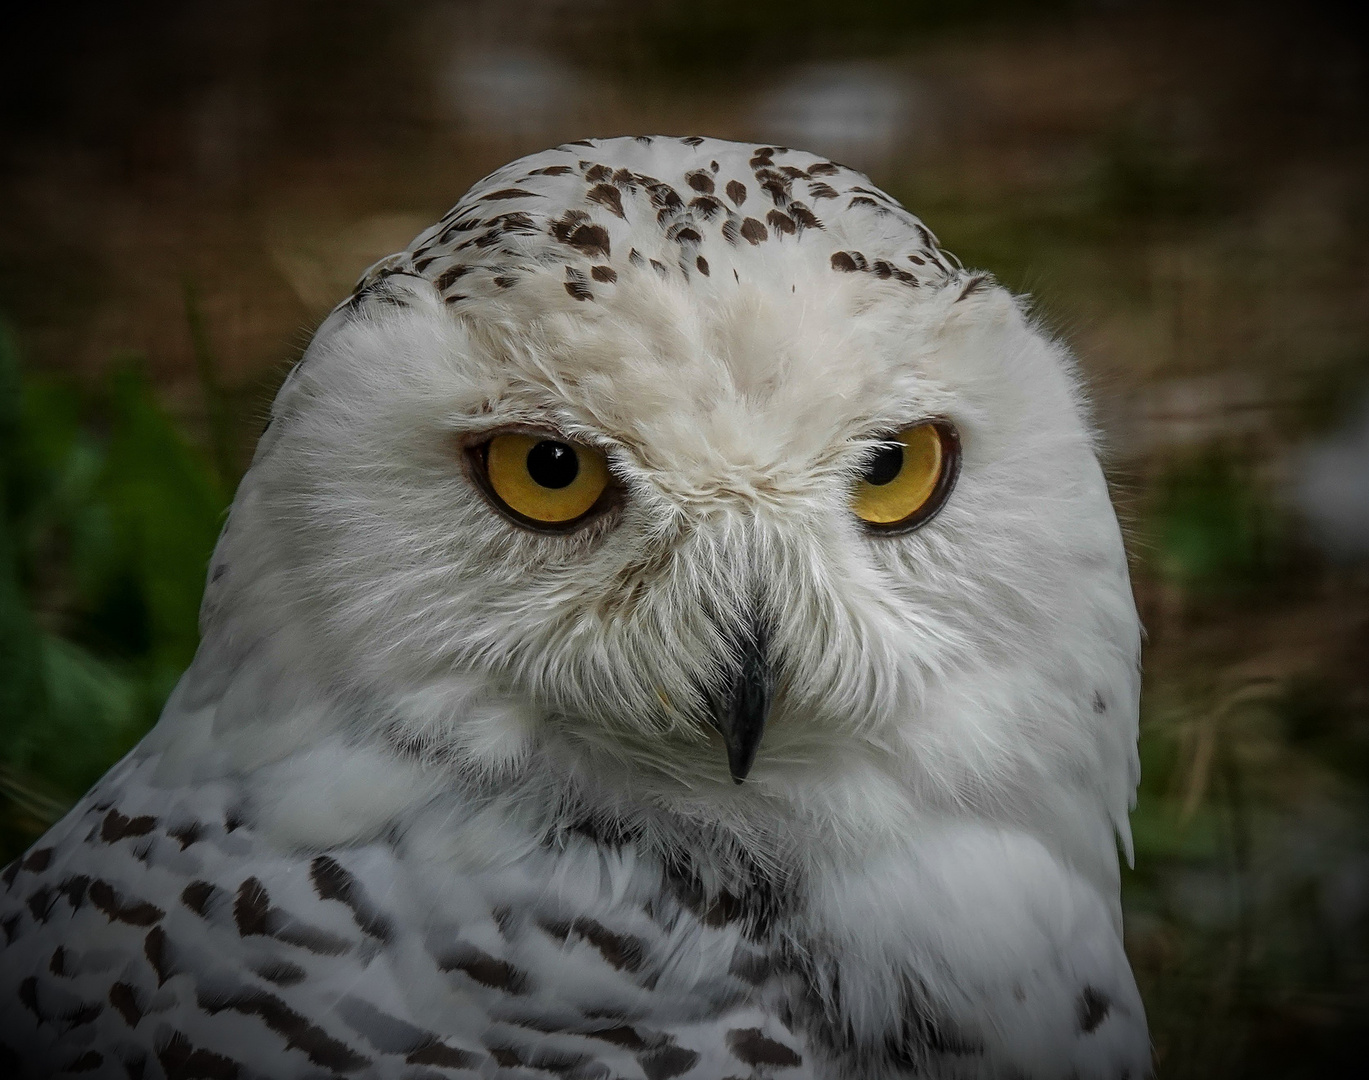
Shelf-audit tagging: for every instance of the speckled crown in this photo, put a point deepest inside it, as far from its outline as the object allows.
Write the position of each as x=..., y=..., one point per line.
x=690, y=206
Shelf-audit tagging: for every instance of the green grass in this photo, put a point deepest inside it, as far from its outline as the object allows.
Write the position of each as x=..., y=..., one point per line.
x=108, y=516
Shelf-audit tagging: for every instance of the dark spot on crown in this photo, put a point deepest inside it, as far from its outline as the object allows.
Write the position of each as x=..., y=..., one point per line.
x=736, y=191
x=684, y=234
x=603, y=273
x=700, y=181
x=819, y=190
x=823, y=168
x=607, y=195
x=841, y=260
x=37, y=860
x=562, y=226
x=584, y=236
x=783, y=224
x=775, y=186
x=660, y=268
x=706, y=206
x=635, y=257
x=552, y=170
x=509, y=193
x=803, y=217
x=753, y=231
x=1099, y=705
x=702, y=264
x=456, y=229
x=692, y=140
x=484, y=240
x=598, y=173
x=664, y=197
x=517, y=221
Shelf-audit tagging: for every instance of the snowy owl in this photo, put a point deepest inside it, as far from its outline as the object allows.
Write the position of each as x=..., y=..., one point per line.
x=674, y=625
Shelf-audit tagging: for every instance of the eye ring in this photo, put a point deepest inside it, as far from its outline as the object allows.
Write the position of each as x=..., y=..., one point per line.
x=568, y=483
x=948, y=452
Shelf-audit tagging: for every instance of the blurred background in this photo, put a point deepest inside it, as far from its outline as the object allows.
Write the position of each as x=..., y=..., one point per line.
x=186, y=188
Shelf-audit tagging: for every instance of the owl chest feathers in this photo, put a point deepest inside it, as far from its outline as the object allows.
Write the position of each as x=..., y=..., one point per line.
x=462, y=936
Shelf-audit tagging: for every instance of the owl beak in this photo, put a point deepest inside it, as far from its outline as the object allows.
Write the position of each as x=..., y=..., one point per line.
x=740, y=710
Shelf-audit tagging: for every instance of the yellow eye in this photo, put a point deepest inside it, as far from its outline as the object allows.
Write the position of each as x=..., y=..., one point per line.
x=907, y=479
x=541, y=481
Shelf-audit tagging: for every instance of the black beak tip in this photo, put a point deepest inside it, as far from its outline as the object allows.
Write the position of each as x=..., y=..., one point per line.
x=740, y=710
x=743, y=739
x=738, y=769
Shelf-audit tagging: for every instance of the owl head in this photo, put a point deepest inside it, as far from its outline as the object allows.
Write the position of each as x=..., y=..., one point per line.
x=699, y=471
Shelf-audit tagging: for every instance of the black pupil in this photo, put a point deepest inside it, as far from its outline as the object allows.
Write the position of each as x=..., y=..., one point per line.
x=553, y=464
x=885, y=465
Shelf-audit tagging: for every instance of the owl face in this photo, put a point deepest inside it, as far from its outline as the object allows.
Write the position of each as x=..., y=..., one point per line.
x=695, y=462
